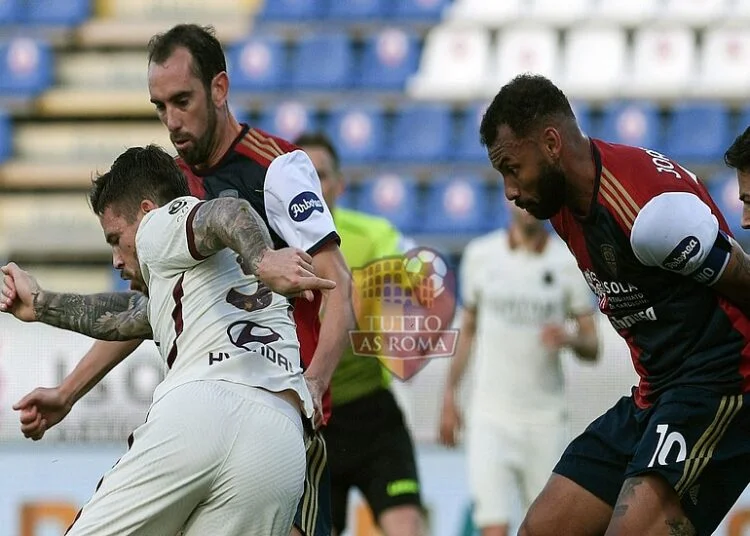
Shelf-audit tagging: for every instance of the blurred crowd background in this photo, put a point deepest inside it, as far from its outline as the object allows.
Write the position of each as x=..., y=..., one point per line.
x=398, y=85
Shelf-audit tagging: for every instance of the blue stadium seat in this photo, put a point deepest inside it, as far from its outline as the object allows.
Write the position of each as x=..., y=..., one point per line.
x=11, y=11
x=422, y=133
x=26, y=67
x=364, y=10
x=389, y=58
x=288, y=119
x=292, y=10
x=423, y=10
x=725, y=193
x=631, y=123
x=698, y=132
x=323, y=62
x=743, y=122
x=57, y=12
x=583, y=116
x=6, y=136
x=357, y=133
x=394, y=197
x=467, y=145
x=258, y=63
x=457, y=204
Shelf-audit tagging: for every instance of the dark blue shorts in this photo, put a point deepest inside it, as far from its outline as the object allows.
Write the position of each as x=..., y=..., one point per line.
x=698, y=440
x=313, y=517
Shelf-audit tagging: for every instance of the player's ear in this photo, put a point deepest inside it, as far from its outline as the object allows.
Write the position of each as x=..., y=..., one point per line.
x=220, y=89
x=551, y=142
x=147, y=205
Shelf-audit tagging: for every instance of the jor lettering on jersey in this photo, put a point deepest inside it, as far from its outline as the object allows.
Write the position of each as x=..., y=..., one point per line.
x=650, y=249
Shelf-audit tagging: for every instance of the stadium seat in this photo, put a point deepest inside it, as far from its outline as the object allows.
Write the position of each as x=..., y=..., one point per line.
x=694, y=12
x=631, y=123
x=288, y=120
x=348, y=198
x=594, y=61
x=26, y=67
x=456, y=204
x=357, y=9
x=11, y=12
x=725, y=193
x=629, y=13
x=257, y=63
x=454, y=64
x=422, y=10
x=743, y=121
x=57, y=12
x=724, y=58
x=422, y=133
x=582, y=111
x=357, y=133
x=484, y=13
x=323, y=62
x=559, y=13
x=467, y=146
x=394, y=197
x=524, y=49
x=389, y=58
x=6, y=136
x=698, y=132
x=292, y=10
x=663, y=62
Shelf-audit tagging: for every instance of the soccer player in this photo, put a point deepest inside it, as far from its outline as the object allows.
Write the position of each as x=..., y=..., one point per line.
x=519, y=287
x=189, y=87
x=378, y=458
x=737, y=157
x=222, y=448
x=674, y=456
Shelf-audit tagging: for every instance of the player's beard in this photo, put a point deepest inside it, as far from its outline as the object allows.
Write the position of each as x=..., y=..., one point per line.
x=200, y=152
x=551, y=192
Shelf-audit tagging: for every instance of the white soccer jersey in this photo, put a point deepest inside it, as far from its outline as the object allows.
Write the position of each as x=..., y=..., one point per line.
x=206, y=315
x=516, y=293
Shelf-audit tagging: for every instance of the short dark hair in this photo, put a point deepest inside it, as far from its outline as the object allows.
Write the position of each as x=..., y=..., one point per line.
x=200, y=41
x=137, y=174
x=522, y=104
x=318, y=139
x=738, y=154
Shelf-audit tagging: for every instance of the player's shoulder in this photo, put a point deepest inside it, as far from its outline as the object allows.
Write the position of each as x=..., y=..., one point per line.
x=262, y=147
x=490, y=244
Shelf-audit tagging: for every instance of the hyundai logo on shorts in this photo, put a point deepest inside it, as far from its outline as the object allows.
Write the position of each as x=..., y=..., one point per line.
x=303, y=205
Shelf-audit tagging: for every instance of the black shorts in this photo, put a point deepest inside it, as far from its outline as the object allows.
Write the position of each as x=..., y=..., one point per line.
x=313, y=517
x=370, y=448
x=698, y=440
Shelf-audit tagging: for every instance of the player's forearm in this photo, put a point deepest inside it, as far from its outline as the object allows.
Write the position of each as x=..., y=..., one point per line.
x=585, y=346
x=460, y=360
x=114, y=316
x=232, y=223
x=95, y=365
x=336, y=324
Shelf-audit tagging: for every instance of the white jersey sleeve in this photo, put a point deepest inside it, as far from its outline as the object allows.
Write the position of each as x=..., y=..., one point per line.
x=678, y=232
x=294, y=203
x=469, y=278
x=165, y=241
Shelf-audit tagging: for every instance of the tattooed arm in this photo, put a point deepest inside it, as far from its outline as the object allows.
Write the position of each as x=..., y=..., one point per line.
x=734, y=282
x=233, y=223
x=113, y=317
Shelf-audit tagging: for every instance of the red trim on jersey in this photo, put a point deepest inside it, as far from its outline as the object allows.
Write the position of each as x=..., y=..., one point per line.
x=195, y=183
x=642, y=392
x=177, y=294
x=741, y=324
x=191, y=234
x=262, y=147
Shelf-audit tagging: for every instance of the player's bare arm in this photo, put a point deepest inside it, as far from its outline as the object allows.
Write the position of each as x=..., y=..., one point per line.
x=233, y=223
x=585, y=342
x=734, y=283
x=107, y=316
x=450, y=418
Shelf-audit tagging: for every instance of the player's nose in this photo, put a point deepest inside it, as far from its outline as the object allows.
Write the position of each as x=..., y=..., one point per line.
x=173, y=120
x=117, y=261
x=511, y=192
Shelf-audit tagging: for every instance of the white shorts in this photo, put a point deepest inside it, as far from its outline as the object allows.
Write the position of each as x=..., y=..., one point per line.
x=511, y=460
x=213, y=457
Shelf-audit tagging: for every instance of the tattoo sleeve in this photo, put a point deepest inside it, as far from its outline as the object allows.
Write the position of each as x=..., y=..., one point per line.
x=233, y=223
x=116, y=316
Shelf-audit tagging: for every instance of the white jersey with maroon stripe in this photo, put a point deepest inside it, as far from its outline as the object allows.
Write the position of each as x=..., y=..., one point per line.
x=209, y=319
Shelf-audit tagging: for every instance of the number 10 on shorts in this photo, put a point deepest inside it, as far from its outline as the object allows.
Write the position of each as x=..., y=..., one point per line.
x=665, y=443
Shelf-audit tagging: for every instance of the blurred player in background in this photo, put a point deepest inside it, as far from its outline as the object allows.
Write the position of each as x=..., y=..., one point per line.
x=673, y=457
x=229, y=343
x=737, y=157
x=369, y=446
x=189, y=88
x=519, y=287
